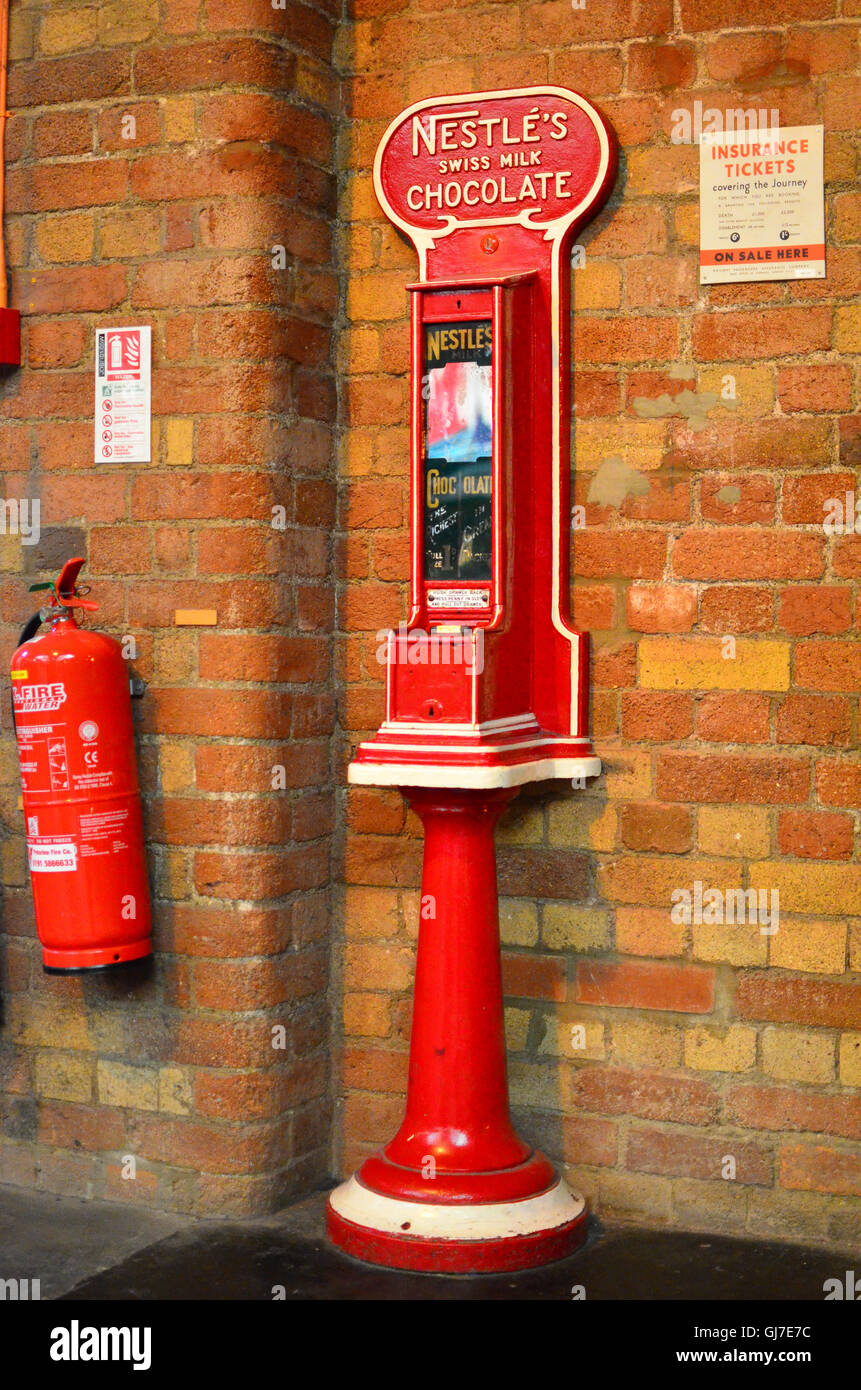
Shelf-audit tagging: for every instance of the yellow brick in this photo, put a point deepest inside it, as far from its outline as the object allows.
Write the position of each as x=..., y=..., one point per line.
x=175, y=656
x=132, y=1088
x=522, y=824
x=635, y=1196
x=177, y=767
x=174, y=1090
x=566, y=927
x=652, y=880
x=543, y=1086
x=673, y=663
x=642, y=1042
x=63, y=1076
x=795, y=1054
x=735, y=830
x=713, y=1048
x=850, y=1059
x=178, y=119
x=20, y=34
x=518, y=923
x=597, y=285
x=663, y=169
x=736, y=943
x=375, y=296
x=66, y=238
x=839, y=158
x=409, y=904
x=368, y=966
x=687, y=224
x=64, y=31
x=134, y=233
x=627, y=776
x=13, y=863
x=359, y=350
x=372, y=912
x=179, y=440
x=516, y=1028
x=830, y=889
x=753, y=386
x=578, y=1039
x=315, y=82
x=649, y=931
x=173, y=875
x=367, y=1015
x=127, y=21
x=582, y=823
x=817, y=947
x=847, y=329
x=640, y=444
x=11, y=554
x=855, y=946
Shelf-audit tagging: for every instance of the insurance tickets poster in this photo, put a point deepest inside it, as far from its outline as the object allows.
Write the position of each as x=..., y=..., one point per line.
x=762, y=205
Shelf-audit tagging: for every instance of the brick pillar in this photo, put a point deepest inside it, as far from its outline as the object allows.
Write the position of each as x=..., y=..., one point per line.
x=172, y=164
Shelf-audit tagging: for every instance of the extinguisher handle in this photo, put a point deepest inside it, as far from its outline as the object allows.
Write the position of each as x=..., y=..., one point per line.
x=68, y=577
x=64, y=594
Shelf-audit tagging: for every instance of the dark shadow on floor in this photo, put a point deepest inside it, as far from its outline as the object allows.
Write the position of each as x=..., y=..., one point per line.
x=252, y=1261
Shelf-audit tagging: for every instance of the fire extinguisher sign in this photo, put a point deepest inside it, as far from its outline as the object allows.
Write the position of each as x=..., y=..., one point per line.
x=123, y=395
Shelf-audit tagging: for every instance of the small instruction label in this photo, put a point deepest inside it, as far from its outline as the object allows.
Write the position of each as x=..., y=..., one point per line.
x=458, y=598
x=123, y=395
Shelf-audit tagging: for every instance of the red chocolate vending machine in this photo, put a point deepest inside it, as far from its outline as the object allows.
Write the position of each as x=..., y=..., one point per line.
x=486, y=682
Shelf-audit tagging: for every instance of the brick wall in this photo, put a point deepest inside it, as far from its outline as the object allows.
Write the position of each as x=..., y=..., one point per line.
x=732, y=764
x=231, y=156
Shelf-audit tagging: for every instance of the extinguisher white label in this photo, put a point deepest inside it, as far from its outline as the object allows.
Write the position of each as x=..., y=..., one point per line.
x=38, y=699
x=53, y=857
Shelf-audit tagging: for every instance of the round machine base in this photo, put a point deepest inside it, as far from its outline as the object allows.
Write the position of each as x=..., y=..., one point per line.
x=467, y=1238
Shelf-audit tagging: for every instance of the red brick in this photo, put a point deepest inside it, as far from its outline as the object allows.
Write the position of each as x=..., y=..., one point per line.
x=665, y=829
x=726, y=553
x=661, y=608
x=636, y=985
x=657, y=716
x=812, y=1168
x=729, y=608
x=838, y=783
x=533, y=977
x=732, y=718
x=815, y=1003
x=816, y=834
x=826, y=386
x=728, y=778
x=648, y=1094
x=771, y=1107
x=828, y=666
x=810, y=609
x=693, y=1156
x=814, y=719
x=763, y=333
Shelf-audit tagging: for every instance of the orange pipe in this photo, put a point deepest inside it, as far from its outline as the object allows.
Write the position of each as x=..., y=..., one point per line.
x=4, y=63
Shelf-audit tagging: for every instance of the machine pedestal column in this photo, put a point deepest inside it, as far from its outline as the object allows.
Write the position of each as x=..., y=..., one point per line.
x=456, y=1190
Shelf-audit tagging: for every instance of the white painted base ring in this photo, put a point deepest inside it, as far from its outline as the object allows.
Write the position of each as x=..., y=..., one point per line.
x=464, y=1221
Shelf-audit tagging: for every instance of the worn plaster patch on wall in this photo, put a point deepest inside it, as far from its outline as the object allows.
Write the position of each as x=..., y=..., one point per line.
x=693, y=405
x=730, y=495
x=614, y=481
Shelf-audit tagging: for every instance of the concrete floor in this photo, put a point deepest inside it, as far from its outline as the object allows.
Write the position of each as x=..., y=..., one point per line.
x=100, y=1250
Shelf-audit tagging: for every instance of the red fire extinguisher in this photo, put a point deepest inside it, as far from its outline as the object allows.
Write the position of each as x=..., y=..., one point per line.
x=71, y=705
